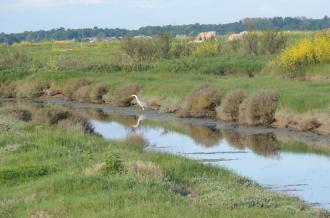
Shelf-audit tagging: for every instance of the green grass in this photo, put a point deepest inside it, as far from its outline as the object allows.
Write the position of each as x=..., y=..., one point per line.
x=42, y=169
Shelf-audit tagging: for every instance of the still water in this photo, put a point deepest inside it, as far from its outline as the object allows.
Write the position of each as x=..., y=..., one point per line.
x=272, y=163
x=286, y=161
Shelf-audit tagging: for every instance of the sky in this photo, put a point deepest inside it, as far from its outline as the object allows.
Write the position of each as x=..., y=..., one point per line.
x=29, y=15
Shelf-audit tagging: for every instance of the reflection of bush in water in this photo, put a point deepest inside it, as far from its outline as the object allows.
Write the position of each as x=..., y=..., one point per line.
x=204, y=136
x=124, y=120
x=262, y=144
x=92, y=114
x=233, y=138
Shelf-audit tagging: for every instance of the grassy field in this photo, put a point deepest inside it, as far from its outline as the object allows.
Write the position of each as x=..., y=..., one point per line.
x=48, y=171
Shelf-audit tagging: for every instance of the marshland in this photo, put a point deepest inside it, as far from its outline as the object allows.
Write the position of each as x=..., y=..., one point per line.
x=232, y=128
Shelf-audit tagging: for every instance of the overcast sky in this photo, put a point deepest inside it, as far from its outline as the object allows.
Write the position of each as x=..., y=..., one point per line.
x=21, y=15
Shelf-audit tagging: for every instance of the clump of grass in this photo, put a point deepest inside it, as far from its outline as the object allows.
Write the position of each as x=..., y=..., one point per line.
x=229, y=109
x=122, y=96
x=259, y=109
x=78, y=123
x=303, y=122
x=73, y=85
x=31, y=89
x=201, y=102
x=82, y=94
x=142, y=169
x=22, y=114
x=8, y=90
x=54, y=90
x=97, y=92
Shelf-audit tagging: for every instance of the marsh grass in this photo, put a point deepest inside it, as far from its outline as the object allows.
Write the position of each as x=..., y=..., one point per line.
x=122, y=96
x=229, y=108
x=259, y=108
x=71, y=86
x=201, y=102
x=157, y=185
x=31, y=89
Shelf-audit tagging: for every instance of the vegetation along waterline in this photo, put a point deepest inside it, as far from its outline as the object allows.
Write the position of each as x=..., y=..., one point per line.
x=57, y=167
x=270, y=66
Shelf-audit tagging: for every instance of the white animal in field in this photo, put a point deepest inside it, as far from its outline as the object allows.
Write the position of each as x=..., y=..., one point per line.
x=236, y=37
x=140, y=103
x=212, y=35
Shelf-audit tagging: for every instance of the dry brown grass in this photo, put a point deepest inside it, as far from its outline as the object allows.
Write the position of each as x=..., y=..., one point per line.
x=259, y=109
x=8, y=89
x=90, y=171
x=73, y=85
x=163, y=104
x=122, y=96
x=31, y=89
x=82, y=94
x=54, y=90
x=76, y=122
x=310, y=121
x=97, y=92
x=142, y=170
x=229, y=109
x=201, y=102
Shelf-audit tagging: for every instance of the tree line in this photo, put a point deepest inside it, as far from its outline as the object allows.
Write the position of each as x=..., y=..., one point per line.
x=287, y=23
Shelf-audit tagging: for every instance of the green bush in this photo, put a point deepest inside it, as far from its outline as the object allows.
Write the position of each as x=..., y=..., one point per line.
x=113, y=163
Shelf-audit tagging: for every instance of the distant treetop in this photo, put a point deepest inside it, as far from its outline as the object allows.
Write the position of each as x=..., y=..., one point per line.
x=287, y=23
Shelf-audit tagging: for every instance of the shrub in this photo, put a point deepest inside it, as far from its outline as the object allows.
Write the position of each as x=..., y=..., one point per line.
x=206, y=49
x=97, y=92
x=259, y=109
x=181, y=49
x=242, y=115
x=229, y=109
x=31, y=89
x=306, y=53
x=250, y=42
x=8, y=90
x=73, y=85
x=273, y=41
x=122, y=96
x=76, y=122
x=201, y=102
x=113, y=163
x=82, y=94
x=140, y=50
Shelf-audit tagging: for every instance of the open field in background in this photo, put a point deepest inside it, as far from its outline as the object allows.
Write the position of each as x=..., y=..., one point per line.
x=226, y=65
x=52, y=169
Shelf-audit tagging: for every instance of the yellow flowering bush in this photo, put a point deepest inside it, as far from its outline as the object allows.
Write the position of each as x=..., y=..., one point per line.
x=306, y=53
x=206, y=49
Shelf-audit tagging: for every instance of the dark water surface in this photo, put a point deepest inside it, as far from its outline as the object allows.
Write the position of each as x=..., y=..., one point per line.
x=281, y=160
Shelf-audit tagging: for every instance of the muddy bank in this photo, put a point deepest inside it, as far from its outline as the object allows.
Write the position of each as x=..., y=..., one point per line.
x=309, y=137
